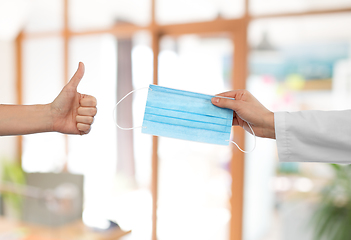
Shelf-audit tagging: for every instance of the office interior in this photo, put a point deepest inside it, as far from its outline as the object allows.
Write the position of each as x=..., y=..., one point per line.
x=115, y=184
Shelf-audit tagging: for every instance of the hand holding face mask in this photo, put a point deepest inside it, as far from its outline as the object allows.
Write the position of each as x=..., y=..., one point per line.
x=186, y=115
x=247, y=109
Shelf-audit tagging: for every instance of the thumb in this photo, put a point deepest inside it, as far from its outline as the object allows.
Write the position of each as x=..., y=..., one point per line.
x=75, y=80
x=225, y=103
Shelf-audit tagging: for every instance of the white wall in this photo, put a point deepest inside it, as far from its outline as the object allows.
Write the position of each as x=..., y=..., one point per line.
x=7, y=92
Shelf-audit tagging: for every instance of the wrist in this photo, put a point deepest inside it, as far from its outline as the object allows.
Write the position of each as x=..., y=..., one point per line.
x=269, y=128
x=47, y=117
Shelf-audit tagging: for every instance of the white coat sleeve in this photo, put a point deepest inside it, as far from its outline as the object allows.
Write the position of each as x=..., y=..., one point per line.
x=314, y=136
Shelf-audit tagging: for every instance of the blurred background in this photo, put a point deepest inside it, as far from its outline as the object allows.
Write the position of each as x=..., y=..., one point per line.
x=292, y=55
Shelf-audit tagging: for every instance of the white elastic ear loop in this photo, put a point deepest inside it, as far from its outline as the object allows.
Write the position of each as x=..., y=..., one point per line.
x=114, y=109
x=253, y=133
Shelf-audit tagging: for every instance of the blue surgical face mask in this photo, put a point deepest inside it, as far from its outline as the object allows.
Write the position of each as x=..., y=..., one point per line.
x=185, y=115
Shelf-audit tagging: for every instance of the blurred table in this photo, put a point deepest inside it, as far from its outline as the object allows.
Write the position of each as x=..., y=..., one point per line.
x=75, y=231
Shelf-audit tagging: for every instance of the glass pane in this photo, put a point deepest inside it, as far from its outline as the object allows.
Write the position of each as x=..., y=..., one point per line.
x=7, y=93
x=135, y=202
x=181, y=11
x=276, y=6
x=94, y=155
x=295, y=64
x=14, y=15
x=7, y=73
x=89, y=15
x=42, y=82
x=194, y=181
x=113, y=190
x=45, y=16
x=97, y=14
x=133, y=11
x=99, y=81
x=142, y=71
x=300, y=46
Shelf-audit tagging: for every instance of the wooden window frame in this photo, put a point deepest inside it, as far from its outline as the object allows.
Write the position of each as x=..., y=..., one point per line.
x=235, y=28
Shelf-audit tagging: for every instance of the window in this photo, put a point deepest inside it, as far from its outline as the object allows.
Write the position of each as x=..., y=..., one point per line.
x=194, y=178
x=175, y=11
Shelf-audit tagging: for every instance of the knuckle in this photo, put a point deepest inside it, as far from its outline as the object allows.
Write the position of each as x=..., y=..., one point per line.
x=80, y=111
x=222, y=101
x=89, y=101
x=91, y=120
x=94, y=101
x=93, y=111
x=84, y=127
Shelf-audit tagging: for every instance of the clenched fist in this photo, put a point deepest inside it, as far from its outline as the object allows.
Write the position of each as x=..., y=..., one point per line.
x=72, y=112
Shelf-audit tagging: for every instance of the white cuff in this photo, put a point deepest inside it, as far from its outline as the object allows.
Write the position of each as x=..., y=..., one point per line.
x=281, y=136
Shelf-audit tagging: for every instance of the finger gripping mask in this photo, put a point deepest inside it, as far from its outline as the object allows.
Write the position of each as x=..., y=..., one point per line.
x=185, y=115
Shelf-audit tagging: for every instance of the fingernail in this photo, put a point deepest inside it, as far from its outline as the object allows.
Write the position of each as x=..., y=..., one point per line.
x=216, y=100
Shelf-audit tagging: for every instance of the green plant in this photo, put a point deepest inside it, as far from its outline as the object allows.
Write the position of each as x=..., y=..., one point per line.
x=332, y=218
x=12, y=173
